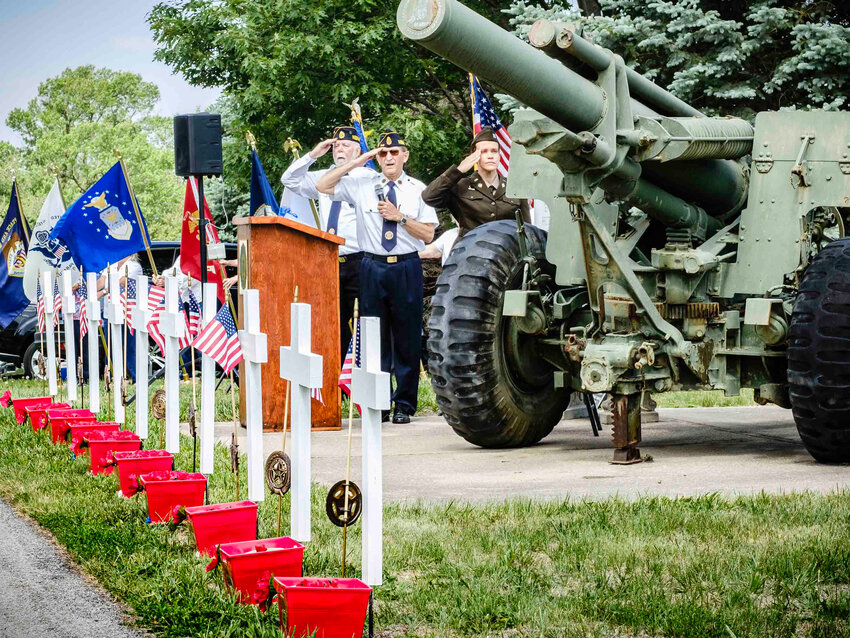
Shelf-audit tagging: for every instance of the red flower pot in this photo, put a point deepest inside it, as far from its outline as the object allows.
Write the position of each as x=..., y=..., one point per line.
x=38, y=414
x=59, y=418
x=78, y=429
x=222, y=523
x=132, y=464
x=245, y=562
x=166, y=490
x=103, y=444
x=20, y=406
x=330, y=607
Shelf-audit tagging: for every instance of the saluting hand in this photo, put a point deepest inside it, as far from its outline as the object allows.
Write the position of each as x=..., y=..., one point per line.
x=361, y=160
x=321, y=148
x=469, y=161
x=389, y=211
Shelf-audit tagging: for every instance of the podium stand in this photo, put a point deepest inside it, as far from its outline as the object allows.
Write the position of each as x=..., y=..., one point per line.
x=276, y=255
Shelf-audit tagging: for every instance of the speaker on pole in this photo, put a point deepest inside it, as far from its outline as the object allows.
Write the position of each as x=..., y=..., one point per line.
x=197, y=144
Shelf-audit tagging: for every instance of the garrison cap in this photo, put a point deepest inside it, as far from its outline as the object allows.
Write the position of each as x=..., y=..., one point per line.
x=484, y=135
x=346, y=133
x=390, y=138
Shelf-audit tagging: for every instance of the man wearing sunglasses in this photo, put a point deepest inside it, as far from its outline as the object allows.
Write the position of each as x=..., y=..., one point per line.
x=338, y=218
x=481, y=197
x=393, y=225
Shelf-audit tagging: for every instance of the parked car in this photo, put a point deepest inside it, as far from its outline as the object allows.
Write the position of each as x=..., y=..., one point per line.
x=20, y=342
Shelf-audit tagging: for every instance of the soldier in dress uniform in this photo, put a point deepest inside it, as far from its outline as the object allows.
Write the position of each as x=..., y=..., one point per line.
x=479, y=198
x=338, y=218
x=393, y=224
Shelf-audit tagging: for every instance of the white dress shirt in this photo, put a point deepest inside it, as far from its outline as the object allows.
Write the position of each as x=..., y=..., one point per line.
x=301, y=181
x=358, y=189
x=444, y=243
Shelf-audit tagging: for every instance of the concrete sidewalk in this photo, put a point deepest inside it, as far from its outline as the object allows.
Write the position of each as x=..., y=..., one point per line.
x=694, y=450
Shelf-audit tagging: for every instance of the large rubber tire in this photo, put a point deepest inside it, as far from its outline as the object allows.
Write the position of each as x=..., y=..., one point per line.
x=819, y=355
x=488, y=397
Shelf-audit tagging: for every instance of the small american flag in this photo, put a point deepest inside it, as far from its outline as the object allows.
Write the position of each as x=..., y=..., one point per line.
x=57, y=303
x=193, y=323
x=349, y=364
x=82, y=299
x=128, y=302
x=156, y=305
x=219, y=340
x=483, y=115
x=40, y=307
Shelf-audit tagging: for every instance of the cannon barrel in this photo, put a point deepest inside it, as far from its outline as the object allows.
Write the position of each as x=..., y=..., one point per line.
x=542, y=81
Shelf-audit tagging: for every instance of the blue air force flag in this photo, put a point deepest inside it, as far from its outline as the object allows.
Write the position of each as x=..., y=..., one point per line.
x=101, y=228
x=263, y=201
x=13, y=243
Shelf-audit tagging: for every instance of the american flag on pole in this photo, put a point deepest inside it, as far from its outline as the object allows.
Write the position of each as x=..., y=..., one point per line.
x=57, y=303
x=128, y=302
x=156, y=305
x=219, y=340
x=483, y=115
x=82, y=298
x=193, y=318
x=40, y=307
x=349, y=364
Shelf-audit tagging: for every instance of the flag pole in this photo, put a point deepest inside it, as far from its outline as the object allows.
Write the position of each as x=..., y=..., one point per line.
x=142, y=227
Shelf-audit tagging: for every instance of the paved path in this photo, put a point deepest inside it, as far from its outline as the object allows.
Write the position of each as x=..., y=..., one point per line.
x=694, y=450
x=42, y=595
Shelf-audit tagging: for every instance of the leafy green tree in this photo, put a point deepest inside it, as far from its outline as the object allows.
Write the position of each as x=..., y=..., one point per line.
x=723, y=57
x=289, y=65
x=74, y=125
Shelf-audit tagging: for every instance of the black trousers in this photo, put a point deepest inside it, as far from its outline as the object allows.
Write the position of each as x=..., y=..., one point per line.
x=394, y=293
x=349, y=291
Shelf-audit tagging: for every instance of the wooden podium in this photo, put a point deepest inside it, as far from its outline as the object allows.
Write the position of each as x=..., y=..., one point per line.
x=276, y=255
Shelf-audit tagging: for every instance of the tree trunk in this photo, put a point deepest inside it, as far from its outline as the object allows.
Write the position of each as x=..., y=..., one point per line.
x=589, y=7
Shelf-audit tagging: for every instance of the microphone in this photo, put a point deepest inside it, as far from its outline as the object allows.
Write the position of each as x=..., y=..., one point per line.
x=379, y=192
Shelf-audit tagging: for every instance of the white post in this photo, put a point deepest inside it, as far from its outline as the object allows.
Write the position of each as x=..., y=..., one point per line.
x=172, y=325
x=115, y=316
x=255, y=352
x=49, y=308
x=93, y=318
x=208, y=388
x=69, y=303
x=303, y=369
x=370, y=389
x=141, y=316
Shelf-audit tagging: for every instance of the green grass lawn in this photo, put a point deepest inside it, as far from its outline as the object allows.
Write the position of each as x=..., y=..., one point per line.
x=770, y=566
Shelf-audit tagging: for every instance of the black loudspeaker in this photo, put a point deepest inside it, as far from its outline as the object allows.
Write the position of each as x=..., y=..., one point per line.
x=197, y=144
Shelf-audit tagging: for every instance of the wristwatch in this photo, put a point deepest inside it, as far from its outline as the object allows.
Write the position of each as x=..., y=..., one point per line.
x=403, y=221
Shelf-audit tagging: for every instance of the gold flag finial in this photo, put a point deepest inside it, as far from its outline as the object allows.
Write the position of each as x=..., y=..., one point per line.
x=117, y=153
x=252, y=141
x=356, y=116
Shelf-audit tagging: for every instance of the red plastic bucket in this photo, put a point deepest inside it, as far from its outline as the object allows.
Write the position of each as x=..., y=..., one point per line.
x=76, y=431
x=20, y=406
x=132, y=464
x=38, y=414
x=59, y=418
x=330, y=607
x=242, y=565
x=222, y=523
x=102, y=443
x=166, y=490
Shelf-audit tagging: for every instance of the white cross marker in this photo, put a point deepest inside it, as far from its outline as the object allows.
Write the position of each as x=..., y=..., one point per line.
x=208, y=387
x=93, y=318
x=49, y=309
x=370, y=389
x=141, y=315
x=303, y=369
x=115, y=316
x=255, y=352
x=69, y=303
x=172, y=326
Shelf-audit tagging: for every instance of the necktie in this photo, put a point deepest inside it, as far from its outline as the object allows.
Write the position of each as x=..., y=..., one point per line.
x=390, y=229
x=333, y=218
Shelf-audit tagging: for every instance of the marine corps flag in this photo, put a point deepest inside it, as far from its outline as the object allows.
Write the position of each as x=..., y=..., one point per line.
x=102, y=226
x=14, y=241
x=190, y=244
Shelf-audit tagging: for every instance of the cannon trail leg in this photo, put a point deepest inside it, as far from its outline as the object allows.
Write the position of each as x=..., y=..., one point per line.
x=626, y=426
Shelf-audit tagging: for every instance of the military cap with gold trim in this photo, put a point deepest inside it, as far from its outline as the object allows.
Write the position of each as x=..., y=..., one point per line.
x=346, y=133
x=391, y=138
x=486, y=134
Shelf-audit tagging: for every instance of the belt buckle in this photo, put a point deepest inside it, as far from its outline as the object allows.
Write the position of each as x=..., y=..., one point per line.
x=342, y=260
x=392, y=259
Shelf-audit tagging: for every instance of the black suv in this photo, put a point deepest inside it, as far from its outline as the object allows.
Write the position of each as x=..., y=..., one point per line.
x=20, y=341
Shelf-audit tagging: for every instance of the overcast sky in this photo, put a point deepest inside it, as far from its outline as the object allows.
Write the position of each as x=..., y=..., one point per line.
x=41, y=38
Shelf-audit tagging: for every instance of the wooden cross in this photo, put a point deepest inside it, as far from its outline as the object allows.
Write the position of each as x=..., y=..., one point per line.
x=370, y=389
x=207, y=386
x=303, y=369
x=255, y=352
x=93, y=319
x=173, y=327
x=115, y=316
x=69, y=303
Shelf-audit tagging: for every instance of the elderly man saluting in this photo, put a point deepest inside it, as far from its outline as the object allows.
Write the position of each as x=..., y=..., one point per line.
x=393, y=224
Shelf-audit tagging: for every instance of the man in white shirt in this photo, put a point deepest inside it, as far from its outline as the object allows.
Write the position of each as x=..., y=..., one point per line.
x=338, y=217
x=441, y=247
x=393, y=225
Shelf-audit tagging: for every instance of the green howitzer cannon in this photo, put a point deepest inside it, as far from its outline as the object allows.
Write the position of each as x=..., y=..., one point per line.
x=683, y=251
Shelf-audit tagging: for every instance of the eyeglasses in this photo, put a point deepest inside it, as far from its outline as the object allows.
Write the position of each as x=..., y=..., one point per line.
x=393, y=151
